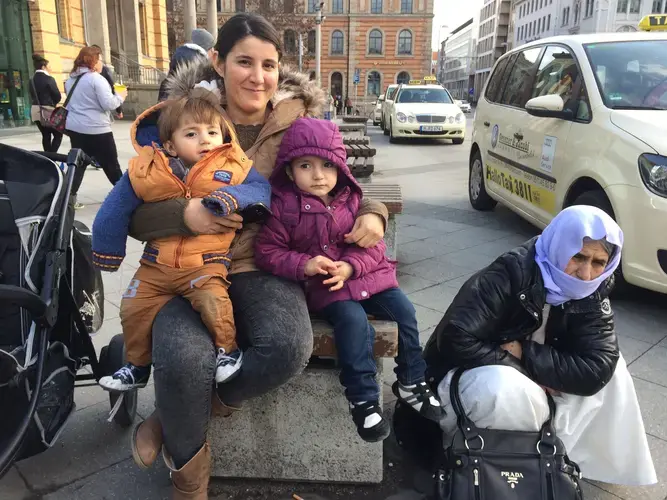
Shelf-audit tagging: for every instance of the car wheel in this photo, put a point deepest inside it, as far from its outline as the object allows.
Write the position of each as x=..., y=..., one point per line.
x=392, y=139
x=457, y=141
x=479, y=198
x=599, y=199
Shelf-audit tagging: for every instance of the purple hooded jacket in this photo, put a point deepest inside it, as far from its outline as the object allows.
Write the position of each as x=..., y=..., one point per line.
x=303, y=227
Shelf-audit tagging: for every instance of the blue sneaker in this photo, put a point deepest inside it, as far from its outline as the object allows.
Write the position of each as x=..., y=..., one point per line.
x=127, y=378
x=228, y=365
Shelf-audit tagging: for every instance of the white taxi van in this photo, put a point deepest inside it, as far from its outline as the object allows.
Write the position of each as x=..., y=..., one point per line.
x=424, y=111
x=580, y=120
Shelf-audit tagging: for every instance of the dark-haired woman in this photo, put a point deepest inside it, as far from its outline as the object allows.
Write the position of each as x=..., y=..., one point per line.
x=89, y=113
x=44, y=95
x=273, y=326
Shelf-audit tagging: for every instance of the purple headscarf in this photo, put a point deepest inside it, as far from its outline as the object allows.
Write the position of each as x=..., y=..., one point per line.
x=562, y=239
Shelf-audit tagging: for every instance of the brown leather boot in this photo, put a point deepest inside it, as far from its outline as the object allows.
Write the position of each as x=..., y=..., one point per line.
x=147, y=441
x=220, y=409
x=190, y=482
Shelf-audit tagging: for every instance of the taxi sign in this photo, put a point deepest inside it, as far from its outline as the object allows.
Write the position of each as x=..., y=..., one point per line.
x=415, y=82
x=654, y=22
x=430, y=78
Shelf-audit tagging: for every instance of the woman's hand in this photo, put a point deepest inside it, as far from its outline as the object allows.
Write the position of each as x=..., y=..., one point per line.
x=200, y=220
x=319, y=265
x=514, y=348
x=367, y=232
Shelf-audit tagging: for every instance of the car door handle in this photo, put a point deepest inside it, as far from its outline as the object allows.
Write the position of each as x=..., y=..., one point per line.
x=518, y=136
x=487, y=124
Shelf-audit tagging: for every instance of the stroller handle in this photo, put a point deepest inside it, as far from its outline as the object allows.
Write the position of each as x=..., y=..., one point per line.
x=76, y=158
x=23, y=298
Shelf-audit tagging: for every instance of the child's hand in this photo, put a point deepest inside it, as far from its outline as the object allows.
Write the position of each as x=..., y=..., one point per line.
x=340, y=274
x=319, y=265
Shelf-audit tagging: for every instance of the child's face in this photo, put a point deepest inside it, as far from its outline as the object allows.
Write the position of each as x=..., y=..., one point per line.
x=314, y=175
x=192, y=141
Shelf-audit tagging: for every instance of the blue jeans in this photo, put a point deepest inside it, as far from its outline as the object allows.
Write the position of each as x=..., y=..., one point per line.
x=354, y=338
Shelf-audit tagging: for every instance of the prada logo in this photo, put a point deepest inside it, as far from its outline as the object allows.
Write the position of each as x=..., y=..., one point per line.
x=512, y=478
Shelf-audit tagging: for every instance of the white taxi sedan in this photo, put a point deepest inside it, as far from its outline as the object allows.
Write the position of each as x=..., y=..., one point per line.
x=580, y=120
x=425, y=111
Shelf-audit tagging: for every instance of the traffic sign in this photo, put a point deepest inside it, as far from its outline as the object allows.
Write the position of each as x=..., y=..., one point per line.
x=357, y=76
x=471, y=91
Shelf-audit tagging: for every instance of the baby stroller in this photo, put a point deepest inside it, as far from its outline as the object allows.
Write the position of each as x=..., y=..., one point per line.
x=51, y=300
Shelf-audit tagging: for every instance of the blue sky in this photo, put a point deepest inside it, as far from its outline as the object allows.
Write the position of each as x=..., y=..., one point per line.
x=451, y=13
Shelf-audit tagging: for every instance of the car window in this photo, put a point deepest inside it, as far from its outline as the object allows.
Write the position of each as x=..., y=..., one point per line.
x=391, y=93
x=556, y=75
x=417, y=95
x=631, y=74
x=520, y=78
x=496, y=79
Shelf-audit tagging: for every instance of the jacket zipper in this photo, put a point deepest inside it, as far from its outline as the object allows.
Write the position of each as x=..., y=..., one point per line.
x=478, y=494
x=187, y=192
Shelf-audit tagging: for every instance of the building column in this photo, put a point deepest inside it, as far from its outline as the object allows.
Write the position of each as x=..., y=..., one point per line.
x=189, y=18
x=97, y=22
x=212, y=18
x=129, y=30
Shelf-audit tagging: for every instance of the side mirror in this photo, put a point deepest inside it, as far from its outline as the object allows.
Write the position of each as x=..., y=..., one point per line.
x=548, y=106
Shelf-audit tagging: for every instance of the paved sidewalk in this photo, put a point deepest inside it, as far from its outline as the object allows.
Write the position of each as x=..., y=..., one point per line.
x=441, y=243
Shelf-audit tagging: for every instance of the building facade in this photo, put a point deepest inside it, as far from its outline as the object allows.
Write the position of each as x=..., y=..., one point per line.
x=380, y=42
x=492, y=42
x=459, y=60
x=131, y=33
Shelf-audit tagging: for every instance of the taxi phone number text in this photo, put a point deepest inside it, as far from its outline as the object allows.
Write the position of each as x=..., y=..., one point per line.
x=513, y=185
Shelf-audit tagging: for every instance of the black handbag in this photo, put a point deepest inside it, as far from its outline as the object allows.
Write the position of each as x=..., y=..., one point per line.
x=488, y=464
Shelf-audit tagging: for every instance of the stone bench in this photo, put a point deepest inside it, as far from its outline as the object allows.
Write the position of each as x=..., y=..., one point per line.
x=303, y=431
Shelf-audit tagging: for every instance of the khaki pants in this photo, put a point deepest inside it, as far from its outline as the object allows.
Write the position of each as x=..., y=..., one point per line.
x=154, y=285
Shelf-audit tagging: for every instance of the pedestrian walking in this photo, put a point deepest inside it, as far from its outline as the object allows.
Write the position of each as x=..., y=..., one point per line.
x=44, y=95
x=89, y=114
x=348, y=105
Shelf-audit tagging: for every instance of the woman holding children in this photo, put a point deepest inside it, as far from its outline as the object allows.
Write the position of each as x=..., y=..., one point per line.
x=262, y=101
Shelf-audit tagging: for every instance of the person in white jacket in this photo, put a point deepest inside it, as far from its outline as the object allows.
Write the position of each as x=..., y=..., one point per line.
x=89, y=113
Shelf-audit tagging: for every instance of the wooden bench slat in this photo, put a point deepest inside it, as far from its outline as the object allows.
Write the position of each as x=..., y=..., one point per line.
x=385, y=345
x=389, y=194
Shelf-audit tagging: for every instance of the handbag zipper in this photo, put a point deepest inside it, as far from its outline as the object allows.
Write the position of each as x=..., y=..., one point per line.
x=475, y=473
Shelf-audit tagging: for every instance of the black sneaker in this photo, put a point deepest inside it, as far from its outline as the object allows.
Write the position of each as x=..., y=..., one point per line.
x=379, y=431
x=419, y=398
x=127, y=378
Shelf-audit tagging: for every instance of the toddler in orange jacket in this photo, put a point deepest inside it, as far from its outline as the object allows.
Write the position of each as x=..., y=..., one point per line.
x=185, y=149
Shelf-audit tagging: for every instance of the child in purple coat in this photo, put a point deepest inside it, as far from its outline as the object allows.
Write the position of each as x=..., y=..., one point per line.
x=315, y=201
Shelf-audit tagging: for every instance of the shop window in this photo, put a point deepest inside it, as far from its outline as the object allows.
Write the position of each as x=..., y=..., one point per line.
x=374, y=84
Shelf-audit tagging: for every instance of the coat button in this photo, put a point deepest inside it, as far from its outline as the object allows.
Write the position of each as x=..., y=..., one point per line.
x=326, y=247
x=536, y=315
x=328, y=207
x=364, y=293
x=307, y=207
x=522, y=296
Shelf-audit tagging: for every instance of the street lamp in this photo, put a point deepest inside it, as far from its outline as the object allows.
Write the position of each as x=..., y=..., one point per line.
x=319, y=19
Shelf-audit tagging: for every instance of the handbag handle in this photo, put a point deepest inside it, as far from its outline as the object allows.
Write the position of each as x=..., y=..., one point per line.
x=34, y=88
x=71, y=91
x=471, y=432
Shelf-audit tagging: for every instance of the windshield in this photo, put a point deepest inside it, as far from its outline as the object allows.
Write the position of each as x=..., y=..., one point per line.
x=631, y=75
x=439, y=96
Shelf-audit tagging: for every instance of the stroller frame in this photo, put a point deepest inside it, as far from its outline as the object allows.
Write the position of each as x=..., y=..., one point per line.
x=44, y=309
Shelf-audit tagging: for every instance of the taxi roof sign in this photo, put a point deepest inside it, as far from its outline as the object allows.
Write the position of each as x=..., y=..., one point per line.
x=415, y=82
x=430, y=78
x=655, y=22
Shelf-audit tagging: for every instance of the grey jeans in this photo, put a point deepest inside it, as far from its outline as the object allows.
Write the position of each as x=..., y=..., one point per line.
x=274, y=331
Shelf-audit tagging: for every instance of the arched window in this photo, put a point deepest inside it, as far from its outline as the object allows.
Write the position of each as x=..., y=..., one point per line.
x=374, y=83
x=289, y=40
x=337, y=84
x=375, y=42
x=337, y=45
x=403, y=77
x=404, y=43
x=311, y=41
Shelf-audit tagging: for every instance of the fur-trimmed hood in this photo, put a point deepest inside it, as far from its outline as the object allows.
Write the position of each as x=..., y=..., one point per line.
x=291, y=85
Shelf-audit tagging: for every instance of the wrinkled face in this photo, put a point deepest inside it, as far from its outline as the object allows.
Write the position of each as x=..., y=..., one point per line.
x=192, y=141
x=589, y=263
x=250, y=73
x=314, y=175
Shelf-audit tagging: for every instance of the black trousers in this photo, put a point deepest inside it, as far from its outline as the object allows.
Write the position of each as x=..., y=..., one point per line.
x=101, y=147
x=51, y=139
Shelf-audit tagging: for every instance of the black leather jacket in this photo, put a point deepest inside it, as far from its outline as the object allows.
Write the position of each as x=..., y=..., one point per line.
x=503, y=303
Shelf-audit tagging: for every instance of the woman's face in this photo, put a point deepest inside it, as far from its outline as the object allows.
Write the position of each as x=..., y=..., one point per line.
x=250, y=73
x=589, y=263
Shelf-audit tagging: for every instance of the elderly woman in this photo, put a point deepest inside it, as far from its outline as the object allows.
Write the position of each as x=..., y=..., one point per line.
x=538, y=319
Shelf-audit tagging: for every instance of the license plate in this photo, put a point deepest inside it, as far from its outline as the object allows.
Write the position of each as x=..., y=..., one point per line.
x=430, y=128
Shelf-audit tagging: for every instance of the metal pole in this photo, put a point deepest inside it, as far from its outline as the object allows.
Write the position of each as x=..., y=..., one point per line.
x=190, y=18
x=212, y=18
x=318, y=42
x=300, y=52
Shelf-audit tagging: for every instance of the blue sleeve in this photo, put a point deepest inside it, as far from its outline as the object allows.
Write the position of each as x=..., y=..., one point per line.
x=112, y=223
x=230, y=199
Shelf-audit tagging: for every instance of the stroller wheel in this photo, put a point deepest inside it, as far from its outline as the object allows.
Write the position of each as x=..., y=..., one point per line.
x=114, y=359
